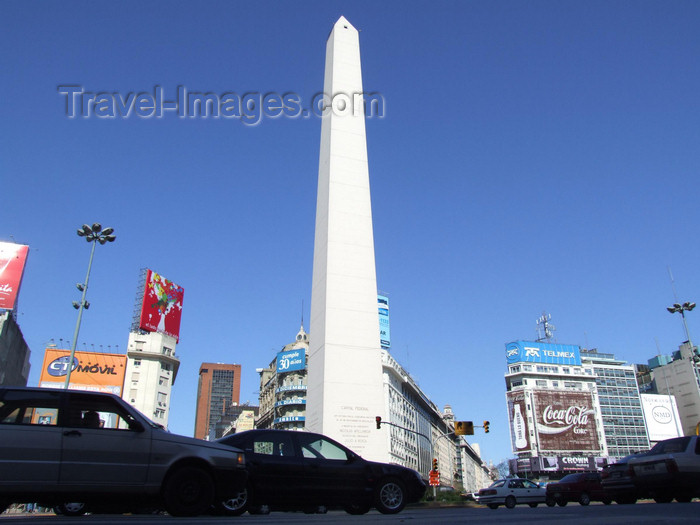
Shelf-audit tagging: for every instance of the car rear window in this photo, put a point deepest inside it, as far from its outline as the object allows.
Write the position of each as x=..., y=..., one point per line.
x=671, y=446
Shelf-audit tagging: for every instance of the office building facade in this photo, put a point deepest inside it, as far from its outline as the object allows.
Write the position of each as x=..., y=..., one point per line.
x=218, y=389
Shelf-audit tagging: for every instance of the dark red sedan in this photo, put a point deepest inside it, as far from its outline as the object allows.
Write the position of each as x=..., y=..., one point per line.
x=583, y=487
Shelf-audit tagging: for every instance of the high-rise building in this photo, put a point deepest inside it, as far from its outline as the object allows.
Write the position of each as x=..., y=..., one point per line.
x=680, y=377
x=151, y=369
x=14, y=352
x=219, y=388
x=345, y=391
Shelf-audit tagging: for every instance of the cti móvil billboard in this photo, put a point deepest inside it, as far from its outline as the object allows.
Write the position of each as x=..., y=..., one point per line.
x=12, y=259
x=91, y=371
x=161, y=309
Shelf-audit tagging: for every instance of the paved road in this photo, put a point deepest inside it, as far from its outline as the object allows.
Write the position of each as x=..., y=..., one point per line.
x=642, y=513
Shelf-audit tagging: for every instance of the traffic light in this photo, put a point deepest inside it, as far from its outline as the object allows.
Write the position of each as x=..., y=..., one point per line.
x=464, y=428
x=486, y=426
x=435, y=464
x=379, y=422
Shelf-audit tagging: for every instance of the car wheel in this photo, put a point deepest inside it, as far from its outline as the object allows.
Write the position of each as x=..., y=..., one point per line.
x=584, y=499
x=562, y=502
x=510, y=502
x=3, y=505
x=606, y=501
x=390, y=496
x=235, y=505
x=188, y=491
x=71, y=509
x=357, y=508
x=533, y=505
x=493, y=506
x=626, y=501
x=663, y=498
x=551, y=502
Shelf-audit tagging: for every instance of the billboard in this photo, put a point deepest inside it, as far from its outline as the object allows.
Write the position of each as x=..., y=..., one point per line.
x=517, y=415
x=384, y=329
x=161, y=308
x=291, y=360
x=91, y=371
x=12, y=259
x=545, y=353
x=661, y=414
x=565, y=420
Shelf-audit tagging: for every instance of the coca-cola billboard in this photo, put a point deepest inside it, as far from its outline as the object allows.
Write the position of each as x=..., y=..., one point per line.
x=565, y=421
x=519, y=435
x=12, y=259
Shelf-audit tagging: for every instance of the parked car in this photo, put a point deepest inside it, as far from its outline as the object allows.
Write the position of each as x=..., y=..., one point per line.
x=511, y=492
x=291, y=470
x=671, y=469
x=61, y=446
x=582, y=487
x=616, y=481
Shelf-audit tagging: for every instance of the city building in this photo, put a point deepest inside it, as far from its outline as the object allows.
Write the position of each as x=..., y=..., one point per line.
x=283, y=387
x=624, y=426
x=680, y=377
x=571, y=408
x=345, y=370
x=14, y=352
x=219, y=389
x=151, y=370
x=152, y=364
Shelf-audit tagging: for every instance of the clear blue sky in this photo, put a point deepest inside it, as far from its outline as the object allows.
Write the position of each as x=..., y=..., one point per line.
x=533, y=156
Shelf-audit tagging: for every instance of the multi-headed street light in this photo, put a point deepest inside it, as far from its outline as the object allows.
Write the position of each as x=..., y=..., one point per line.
x=681, y=309
x=93, y=234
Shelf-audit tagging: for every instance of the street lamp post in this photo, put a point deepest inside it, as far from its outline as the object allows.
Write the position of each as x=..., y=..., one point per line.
x=681, y=309
x=93, y=234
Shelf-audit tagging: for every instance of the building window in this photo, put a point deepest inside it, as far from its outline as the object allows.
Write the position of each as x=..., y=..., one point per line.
x=137, y=362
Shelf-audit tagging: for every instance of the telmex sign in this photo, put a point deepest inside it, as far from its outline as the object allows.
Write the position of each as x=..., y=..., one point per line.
x=547, y=353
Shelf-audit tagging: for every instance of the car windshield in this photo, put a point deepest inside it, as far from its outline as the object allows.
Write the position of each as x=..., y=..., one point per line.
x=497, y=484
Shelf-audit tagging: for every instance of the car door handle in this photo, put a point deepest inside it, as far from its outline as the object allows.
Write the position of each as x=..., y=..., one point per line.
x=72, y=433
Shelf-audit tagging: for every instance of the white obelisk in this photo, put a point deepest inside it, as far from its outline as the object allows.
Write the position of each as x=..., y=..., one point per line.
x=345, y=391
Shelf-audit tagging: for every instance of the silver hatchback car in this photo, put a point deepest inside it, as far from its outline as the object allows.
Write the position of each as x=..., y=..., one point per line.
x=65, y=445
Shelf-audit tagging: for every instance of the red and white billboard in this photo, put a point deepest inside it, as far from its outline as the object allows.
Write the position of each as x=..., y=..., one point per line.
x=565, y=421
x=12, y=259
x=161, y=309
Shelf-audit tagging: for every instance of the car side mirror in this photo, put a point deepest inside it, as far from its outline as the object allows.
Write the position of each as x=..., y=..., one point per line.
x=136, y=426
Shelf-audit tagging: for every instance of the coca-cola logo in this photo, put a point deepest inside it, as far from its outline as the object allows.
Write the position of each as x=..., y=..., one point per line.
x=559, y=420
x=661, y=415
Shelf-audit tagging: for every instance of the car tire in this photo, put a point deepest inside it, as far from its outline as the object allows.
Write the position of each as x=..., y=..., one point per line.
x=390, y=496
x=562, y=502
x=626, y=501
x=533, y=505
x=684, y=498
x=3, y=505
x=606, y=501
x=259, y=510
x=188, y=491
x=584, y=499
x=510, y=502
x=492, y=506
x=663, y=498
x=71, y=509
x=357, y=509
x=551, y=502
x=236, y=505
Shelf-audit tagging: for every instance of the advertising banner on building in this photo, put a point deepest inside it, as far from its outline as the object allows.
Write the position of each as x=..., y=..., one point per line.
x=565, y=421
x=12, y=259
x=291, y=360
x=92, y=371
x=661, y=414
x=161, y=309
x=517, y=415
x=384, y=326
x=545, y=353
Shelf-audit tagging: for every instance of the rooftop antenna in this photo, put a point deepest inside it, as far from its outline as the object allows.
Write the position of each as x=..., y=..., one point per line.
x=545, y=330
x=673, y=284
